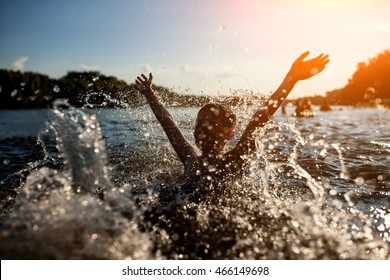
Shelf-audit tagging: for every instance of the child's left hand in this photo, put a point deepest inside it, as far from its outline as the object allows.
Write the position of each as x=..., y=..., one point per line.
x=144, y=84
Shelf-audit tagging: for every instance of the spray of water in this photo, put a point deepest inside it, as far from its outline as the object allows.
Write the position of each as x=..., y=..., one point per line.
x=76, y=212
x=278, y=210
x=91, y=209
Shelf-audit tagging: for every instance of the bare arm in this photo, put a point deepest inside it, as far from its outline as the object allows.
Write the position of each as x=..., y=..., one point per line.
x=182, y=147
x=300, y=70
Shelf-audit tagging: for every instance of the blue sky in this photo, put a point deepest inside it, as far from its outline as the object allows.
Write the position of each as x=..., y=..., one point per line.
x=194, y=46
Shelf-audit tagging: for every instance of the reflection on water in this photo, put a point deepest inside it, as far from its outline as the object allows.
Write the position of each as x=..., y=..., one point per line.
x=105, y=184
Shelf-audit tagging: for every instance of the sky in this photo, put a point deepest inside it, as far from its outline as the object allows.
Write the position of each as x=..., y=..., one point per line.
x=214, y=47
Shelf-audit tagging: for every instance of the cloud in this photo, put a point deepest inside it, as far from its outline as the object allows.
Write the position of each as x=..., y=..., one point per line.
x=368, y=26
x=145, y=68
x=18, y=64
x=185, y=69
x=88, y=68
x=384, y=26
x=226, y=75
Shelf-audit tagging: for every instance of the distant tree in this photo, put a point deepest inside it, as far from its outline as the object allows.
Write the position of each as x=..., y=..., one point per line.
x=95, y=89
x=370, y=81
x=90, y=89
x=24, y=90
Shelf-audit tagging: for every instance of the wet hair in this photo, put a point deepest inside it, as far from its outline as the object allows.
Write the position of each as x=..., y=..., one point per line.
x=210, y=116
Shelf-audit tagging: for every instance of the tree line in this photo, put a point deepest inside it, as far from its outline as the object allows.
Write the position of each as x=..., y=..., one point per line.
x=84, y=89
x=370, y=82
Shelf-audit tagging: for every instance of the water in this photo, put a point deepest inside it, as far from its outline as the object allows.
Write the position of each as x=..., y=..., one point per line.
x=103, y=184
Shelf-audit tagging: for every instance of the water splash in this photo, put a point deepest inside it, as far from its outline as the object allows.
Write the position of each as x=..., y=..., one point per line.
x=82, y=147
x=344, y=173
x=59, y=215
x=285, y=207
x=279, y=210
x=101, y=100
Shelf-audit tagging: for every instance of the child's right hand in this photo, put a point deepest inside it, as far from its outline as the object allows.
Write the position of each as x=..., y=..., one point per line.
x=301, y=70
x=144, y=84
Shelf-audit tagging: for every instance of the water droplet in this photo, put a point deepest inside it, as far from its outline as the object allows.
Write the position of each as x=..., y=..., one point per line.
x=211, y=168
x=381, y=227
x=314, y=71
x=333, y=192
x=295, y=224
x=6, y=161
x=337, y=203
x=56, y=89
x=175, y=237
x=359, y=181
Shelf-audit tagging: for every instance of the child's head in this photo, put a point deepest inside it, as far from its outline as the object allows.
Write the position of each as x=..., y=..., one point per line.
x=214, y=127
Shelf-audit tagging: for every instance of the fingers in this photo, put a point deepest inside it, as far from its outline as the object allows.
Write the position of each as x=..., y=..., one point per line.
x=142, y=82
x=302, y=56
x=144, y=79
x=324, y=62
x=138, y=85
x=325, y=59
x=317, y=58
x=321, y=60
x=141, y=79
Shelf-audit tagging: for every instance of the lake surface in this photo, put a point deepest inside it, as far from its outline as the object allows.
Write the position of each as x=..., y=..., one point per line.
x=317, y=188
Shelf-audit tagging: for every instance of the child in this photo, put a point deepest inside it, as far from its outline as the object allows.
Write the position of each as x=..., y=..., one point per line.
x=215, y=126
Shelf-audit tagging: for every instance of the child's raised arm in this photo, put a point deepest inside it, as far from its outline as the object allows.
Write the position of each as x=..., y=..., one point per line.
x=182, y=147
x=300, y=70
